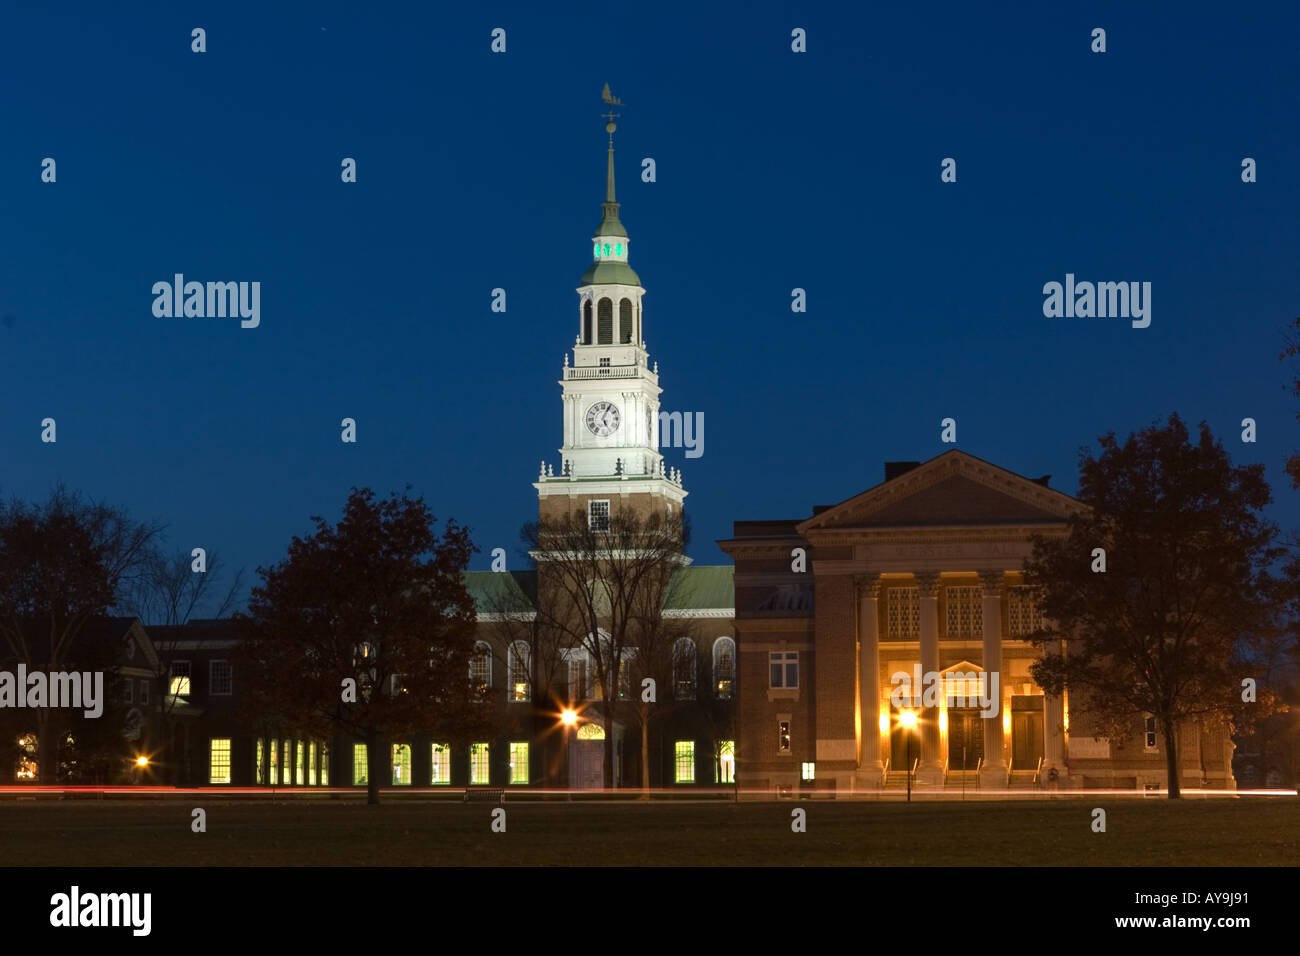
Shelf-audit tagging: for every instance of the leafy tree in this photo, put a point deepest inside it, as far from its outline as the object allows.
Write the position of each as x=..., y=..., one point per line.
x=1167, y=629
x=375, y=604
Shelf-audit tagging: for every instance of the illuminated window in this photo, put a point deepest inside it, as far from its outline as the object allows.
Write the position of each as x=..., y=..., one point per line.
x=903, y=613
x=965, y=611
x=27, y=764
x=1150, y=745
x=311, y=764
x=807, y=771
x=724, y=667
x=579, y=677
x=126, y=691
x=684, y=669
x=275, y=762
x=598, y=514
x=219, y=678
x=324, y=764
x=784, y=666
x=783, y=736
x=607, y=248
x=360, y=765
x=618, y=248
x=297, y=763
x=441, y=764
x=519, y=682
x=479, y=769
x=259, y=771
x=401, y=765
x=725, y=769
x=1023, y=615
x=518, y=762
x=286, y=762
x=219, y=760
x=480, y=667
x=684, y=761
x=180, y=686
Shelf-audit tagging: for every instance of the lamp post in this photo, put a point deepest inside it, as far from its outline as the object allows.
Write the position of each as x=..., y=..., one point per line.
x=907, y=719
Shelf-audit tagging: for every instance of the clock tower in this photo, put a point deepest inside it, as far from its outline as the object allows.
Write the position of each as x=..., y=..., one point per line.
x=610, y=391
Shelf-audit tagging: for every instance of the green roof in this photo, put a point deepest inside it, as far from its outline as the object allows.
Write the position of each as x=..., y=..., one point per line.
x=496, y=592
x=694, y=588
x=699, y=587
x=609, y=272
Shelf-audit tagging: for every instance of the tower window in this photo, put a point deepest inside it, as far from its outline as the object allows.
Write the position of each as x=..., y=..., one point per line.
x=605, y=322
x=586, y=322
x=618, y=248
x=598, y=514
x=607, y=248
x=625, y=322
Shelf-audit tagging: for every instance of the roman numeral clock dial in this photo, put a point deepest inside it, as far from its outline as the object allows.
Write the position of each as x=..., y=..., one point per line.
x=602, y=419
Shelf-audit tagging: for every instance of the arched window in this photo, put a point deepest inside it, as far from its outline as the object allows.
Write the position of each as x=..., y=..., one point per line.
x=605, y=322
x=684, y=669
x=724, y=668
x=625, y=322
x=586, y=322
x=520, y=685
x=480, y=667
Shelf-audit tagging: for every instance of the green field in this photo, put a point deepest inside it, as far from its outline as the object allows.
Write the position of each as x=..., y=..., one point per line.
x=1255, y=831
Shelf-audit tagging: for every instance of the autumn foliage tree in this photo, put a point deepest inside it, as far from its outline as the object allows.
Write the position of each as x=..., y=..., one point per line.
x=1167, y=628
x=366, y=628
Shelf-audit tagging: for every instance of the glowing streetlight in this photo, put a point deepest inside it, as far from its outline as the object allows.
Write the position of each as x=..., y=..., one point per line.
x=142, y=761
x=569, y=717
x=907, y=720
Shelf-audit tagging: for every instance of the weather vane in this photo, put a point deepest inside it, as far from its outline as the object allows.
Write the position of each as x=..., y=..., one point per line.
x=611, y=101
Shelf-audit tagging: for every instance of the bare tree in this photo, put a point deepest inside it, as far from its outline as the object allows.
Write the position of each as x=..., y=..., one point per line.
x=595, y=581
x=63, y=564
x=170, y=592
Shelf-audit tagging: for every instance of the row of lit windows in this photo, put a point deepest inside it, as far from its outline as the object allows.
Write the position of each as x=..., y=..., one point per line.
x=965, y=611
x=479, y=764
x=724, y=763
x=582, y=680
x=287, y=763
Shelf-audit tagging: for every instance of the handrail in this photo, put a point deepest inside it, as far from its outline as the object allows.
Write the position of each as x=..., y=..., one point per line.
x=1038, y=771
x=884, y=776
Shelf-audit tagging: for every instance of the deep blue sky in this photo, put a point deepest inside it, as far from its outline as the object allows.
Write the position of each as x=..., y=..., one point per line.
x=775, y=170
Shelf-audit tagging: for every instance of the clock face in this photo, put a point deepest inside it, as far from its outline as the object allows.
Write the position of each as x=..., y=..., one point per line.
x=602, y=419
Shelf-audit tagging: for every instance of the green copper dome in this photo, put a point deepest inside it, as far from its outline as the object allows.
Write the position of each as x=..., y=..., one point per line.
x=610, y=272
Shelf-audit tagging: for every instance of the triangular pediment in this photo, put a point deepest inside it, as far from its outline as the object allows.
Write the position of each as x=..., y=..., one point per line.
x=953, y=489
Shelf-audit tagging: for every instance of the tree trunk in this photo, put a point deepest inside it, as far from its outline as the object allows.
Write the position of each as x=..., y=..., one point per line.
x=1171, y=760
x=645, y=751
x=373, y=766
x=45, y=750
x=608, y=767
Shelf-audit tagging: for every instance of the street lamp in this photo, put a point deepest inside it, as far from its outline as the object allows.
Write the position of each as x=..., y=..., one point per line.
x=907, y=718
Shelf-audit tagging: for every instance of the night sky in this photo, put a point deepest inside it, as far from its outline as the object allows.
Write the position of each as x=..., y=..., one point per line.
x=775, y=170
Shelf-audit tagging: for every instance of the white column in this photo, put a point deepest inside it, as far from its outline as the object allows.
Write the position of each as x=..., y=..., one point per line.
x=1053, y=733
x=870, y=766
x=993, y=774
x=930, y=771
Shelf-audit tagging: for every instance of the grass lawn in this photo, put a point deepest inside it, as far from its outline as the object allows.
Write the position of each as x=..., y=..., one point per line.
x=1218, y=832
